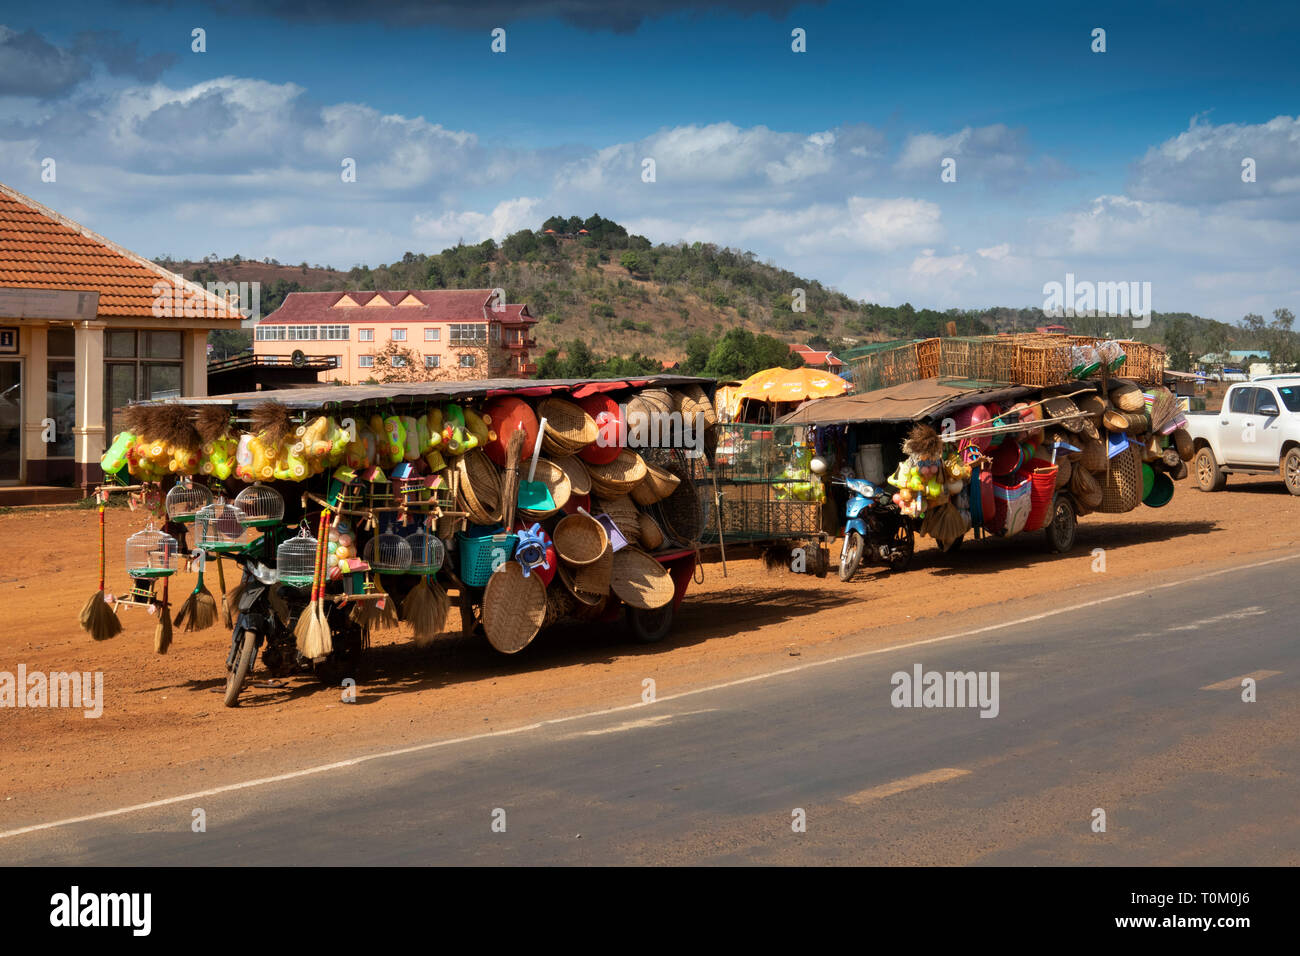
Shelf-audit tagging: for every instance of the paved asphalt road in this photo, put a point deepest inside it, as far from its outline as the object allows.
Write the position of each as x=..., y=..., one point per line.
x=1111, y=707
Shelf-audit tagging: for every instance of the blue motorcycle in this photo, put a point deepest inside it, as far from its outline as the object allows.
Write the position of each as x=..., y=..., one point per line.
x=874, y=529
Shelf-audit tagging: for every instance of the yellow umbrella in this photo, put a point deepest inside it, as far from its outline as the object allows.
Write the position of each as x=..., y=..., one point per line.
x=791, y=385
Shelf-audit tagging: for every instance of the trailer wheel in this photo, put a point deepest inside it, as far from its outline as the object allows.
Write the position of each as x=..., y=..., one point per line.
x=1061, y=528
x=650, y=627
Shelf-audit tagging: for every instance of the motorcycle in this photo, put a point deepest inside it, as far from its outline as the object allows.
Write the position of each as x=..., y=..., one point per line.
x=266, y=611
x=874, y=529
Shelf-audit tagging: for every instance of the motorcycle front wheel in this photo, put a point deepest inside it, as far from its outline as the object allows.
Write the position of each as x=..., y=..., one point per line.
x=236, y=676
x=851, y=555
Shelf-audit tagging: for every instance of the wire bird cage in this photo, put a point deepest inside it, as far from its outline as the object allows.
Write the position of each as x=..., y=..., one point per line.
x=152, y=554
x=388, y=552
x=185, y=499
x=427, y=552
x=221, y=527
x=766, y=488
x=260, y=505
x=295, y=559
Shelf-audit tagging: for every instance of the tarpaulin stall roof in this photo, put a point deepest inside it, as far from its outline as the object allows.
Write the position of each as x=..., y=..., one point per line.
x=910, y=401
x=347, y=396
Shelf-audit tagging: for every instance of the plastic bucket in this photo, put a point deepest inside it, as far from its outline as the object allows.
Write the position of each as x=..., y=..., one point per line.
x=871, y=464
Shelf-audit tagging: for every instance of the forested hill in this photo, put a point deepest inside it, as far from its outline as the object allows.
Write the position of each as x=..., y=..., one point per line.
x=623, y=295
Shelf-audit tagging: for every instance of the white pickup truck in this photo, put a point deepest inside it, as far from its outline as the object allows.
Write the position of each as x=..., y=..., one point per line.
x=1257, y=432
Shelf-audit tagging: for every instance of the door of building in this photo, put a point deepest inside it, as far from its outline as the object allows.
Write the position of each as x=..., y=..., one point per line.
x=11, y=421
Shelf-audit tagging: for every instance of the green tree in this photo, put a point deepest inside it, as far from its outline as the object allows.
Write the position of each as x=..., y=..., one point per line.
x=740, y=353
x=631, y=262
x=1178, y=344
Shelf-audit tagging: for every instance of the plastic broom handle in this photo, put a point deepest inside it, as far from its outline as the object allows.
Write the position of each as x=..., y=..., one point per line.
x=101, y=544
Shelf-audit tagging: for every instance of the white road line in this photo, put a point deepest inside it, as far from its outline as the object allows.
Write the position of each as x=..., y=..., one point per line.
x=624, y=708
x=907, y=783
x=1234, y=683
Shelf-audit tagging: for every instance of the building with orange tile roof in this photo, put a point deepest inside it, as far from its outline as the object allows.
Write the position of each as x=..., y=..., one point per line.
x=86, y=327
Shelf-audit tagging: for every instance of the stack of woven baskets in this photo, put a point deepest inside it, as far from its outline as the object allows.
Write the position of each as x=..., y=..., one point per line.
x=611, y=513
x=1124, y=438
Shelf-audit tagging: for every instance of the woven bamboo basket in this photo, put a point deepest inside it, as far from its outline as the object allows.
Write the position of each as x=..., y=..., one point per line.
x=1127, y=397
x=640, y=581
x=1094, y=455
x=580, y=539
x=655, y=486
x=692, y=401
x=682, y=514
x=590, y=582
x=1183, y=442
x=652, y=536
x=623, y=511
x=1086, y=489
x=514, y=607
x=1064, y=470
x=579, y=478
x=474, y=483
x=1122, y=489
x=569, y=429
x=620, y=476
x=560, y=604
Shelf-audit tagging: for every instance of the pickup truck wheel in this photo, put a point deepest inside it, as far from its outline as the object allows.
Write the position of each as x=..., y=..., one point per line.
x=1291, y=471
x=1209, y=476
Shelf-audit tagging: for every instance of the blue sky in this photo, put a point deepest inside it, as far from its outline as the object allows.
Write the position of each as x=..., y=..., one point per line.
x=1123, y=165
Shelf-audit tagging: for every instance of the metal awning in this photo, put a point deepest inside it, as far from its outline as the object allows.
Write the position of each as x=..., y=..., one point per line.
x=334, y=397
x=910, y=401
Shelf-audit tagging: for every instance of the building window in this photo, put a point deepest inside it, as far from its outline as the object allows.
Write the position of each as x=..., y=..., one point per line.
x=139, y=365
x=399, y=335
x=432, y=335
x=469, y=333
x=366, y=361
x=61, y=390
x=397, y=361
x=433, y=361
x=334, y=333
x=468, y=360
x=365, y=335
x=302, y=333
x=270, y=333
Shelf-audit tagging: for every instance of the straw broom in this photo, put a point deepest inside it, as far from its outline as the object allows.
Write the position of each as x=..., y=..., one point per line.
x=199, y=612
x=162, y=632
x=312, y=641
x=425, y=609
x=97, y=617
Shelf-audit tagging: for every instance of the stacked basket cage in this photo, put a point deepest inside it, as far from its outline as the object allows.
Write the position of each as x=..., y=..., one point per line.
x=765, y=486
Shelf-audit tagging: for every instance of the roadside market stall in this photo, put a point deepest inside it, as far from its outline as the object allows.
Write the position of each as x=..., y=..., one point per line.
x=1062, y=434
x=350, y=508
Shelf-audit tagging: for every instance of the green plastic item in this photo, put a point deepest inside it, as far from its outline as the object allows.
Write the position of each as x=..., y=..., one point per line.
x=535, y=495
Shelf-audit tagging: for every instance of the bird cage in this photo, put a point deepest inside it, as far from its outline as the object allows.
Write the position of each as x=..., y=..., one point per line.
x=427, y=552
x=261, y=505
x=295, y=559
x=185, y=499
x=221, y=527
x=151, y=554
x=388, y=552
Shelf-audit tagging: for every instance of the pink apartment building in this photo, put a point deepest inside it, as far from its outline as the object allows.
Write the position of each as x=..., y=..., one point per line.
x=458, y=333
